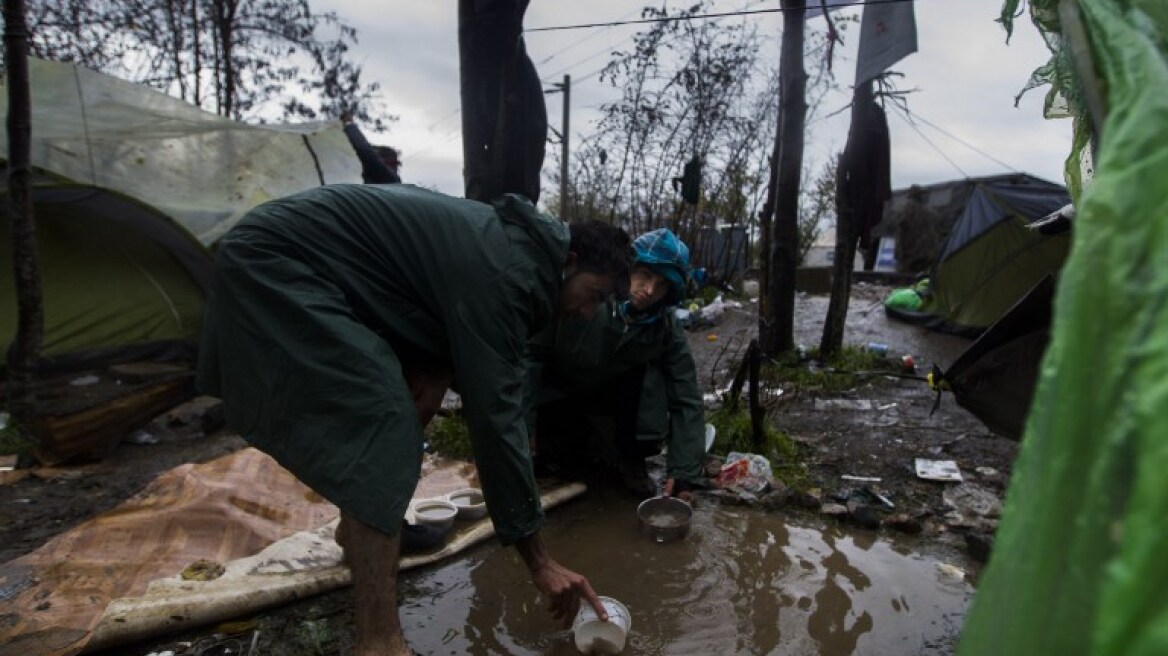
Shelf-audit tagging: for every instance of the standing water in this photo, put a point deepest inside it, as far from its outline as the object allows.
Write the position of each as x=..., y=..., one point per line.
x=742, y=582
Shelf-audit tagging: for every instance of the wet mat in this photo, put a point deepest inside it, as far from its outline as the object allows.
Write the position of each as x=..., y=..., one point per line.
x=115, y=578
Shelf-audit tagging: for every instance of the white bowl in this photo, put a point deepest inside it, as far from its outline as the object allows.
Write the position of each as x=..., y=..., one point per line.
x=593, y=635
x=435, y=512
x=470, y=503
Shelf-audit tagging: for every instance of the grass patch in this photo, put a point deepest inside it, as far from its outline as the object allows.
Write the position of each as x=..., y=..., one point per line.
x=844, y=370
x=450, y=437
x=734, y=433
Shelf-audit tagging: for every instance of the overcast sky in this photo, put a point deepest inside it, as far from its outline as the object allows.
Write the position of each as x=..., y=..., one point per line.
x=966, y=74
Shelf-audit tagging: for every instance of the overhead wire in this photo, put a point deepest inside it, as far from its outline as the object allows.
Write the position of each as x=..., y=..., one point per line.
x=934, y=146
x=724, y=14
x=959, y=140
x=549, y=78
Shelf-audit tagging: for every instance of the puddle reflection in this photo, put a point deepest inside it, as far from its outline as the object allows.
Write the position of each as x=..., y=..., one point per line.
x=743, y=582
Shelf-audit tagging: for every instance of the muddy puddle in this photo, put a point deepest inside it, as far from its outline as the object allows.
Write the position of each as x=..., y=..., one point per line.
x=743, y=582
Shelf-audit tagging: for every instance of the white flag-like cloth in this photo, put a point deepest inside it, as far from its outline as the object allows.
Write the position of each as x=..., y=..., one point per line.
x=888, y=32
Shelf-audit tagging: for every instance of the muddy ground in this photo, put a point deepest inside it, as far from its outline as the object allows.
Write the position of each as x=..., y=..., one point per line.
x=872, y=430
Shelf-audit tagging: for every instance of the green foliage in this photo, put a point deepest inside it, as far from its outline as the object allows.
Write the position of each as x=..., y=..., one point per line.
x=13, y=441
x=843, y=371
x=734, y=433
x=450, y=437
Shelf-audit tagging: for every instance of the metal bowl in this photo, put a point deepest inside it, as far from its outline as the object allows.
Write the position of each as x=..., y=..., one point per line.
x=664, y=518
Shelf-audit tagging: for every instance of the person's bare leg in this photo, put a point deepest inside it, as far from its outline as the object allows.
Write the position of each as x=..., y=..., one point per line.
x=373, y=558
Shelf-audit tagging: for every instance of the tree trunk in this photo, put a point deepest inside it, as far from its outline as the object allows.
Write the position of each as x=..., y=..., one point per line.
x=26, y=348
x=225, y=19
x=862, y=185
x=757, y=430
x=504, y=119
x=778, y=335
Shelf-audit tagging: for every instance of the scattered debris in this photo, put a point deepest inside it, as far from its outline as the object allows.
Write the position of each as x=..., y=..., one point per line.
x=950, y=571
x=843, y=404
x=904, y=523
x=861, y=479
x=937, y=470
x=864, y=516
x=9, y=474
x=834, y=509
x=747, y=472
x=202, y=570
x=972, y=502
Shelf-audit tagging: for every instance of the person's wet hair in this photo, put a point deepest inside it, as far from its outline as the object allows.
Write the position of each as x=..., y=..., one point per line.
x=602, y=249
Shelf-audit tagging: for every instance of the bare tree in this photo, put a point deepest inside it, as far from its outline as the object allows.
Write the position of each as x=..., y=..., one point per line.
x=777, y=321
x=863, y=186
x=240, y=58
x=26, y=348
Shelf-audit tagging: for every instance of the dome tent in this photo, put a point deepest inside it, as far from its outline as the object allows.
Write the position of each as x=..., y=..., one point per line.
x=132, y=188
x=992, y=256
x=120, y=281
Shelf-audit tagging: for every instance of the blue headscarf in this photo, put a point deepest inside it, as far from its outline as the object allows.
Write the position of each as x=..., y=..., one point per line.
x=668, y=256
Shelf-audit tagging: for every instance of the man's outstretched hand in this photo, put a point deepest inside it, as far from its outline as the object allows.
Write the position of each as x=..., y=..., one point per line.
x=559, y=584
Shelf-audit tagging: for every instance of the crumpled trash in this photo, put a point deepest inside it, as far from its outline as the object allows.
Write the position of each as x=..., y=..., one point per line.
x=714, y=310
x=748, y=472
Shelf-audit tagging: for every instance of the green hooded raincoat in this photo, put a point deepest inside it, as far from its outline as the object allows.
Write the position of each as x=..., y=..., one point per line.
x=586, y=354
x=323, y=297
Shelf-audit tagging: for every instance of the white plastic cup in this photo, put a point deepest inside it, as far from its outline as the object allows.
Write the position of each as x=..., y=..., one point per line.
x=596, y=636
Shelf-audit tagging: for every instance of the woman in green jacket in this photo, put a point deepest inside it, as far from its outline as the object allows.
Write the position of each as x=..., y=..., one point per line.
x=631, y=361
x=338, y=318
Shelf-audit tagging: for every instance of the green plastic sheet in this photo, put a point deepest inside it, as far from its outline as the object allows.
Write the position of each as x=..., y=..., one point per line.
x=1080, y=565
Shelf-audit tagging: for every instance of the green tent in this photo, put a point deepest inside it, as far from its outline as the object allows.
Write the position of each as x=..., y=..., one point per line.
x=992, y=256
x=120, y=280
x=132, y=187
x=1080, y=563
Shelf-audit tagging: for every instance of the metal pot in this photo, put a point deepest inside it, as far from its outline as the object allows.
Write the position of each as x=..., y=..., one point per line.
x=664, y=518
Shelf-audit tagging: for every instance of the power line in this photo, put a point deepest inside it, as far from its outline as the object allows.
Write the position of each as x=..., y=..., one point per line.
x=935, y=147
x=724, y=14
x=959, y=140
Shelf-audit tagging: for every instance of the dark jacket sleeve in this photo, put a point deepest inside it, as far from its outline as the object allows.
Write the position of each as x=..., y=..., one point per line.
x=687, y=418
x=489, y=348
x=373, y=170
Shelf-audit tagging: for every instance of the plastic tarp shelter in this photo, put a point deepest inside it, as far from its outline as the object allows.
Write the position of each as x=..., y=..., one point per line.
x=1079, y=565
x=131, y=187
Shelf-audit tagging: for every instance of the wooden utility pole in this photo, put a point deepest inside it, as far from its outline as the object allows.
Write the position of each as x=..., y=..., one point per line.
x=26, y=348
x=777, y=323
x=566, y=87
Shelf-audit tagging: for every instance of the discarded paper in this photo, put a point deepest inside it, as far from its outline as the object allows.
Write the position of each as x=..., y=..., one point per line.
x=938, y=470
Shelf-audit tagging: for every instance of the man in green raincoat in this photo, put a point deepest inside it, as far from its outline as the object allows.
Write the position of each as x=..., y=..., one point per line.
x=339, y=316
x=631, y=360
